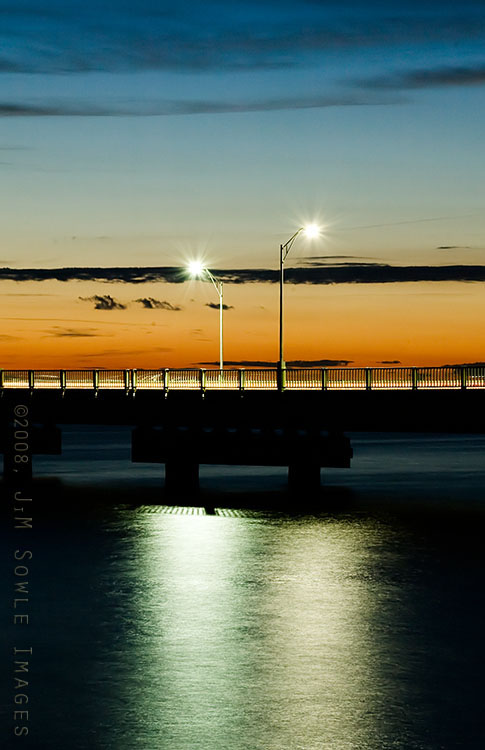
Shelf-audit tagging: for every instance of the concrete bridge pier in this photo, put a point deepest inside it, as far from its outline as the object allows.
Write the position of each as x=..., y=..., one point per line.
x=183, y=449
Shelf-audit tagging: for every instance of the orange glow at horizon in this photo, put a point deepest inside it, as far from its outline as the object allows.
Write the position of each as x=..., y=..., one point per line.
x=420, y=324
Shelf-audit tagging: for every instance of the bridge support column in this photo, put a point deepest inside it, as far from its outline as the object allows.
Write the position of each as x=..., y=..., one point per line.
x=303, y=477
x=181, y=477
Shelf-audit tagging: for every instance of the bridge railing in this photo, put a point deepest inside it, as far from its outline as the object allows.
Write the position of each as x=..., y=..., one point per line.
x=445, y=377
x=261, y=380
x=185, y=380
x=224, y=379
x=110, y=379
x=152, y=379
x=78, y=379
x=475, y=377
x=303, y=379
x=348, y=379
x=331, y=378
x=15, y=378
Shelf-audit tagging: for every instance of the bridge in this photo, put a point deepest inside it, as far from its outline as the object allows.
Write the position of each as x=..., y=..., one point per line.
x=242, y=379
x=259, y=416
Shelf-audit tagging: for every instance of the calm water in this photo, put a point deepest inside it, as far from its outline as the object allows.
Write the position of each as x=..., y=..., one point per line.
x=351, y=622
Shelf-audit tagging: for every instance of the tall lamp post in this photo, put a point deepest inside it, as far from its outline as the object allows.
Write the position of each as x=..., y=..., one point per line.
x=311, y=231
x=197, y=271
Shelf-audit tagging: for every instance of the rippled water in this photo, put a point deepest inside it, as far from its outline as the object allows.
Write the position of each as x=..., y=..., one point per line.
x=356, y=626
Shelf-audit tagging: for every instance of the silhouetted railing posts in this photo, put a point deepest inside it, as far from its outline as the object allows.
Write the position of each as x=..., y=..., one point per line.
x=126, y=380
x=414, y=375
x=368, y=379
x=281, y=377
x=242, y=379
x=166, y=380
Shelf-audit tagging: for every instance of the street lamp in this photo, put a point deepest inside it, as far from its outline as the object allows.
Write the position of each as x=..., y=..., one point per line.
x=311, y=231
x=198, y=271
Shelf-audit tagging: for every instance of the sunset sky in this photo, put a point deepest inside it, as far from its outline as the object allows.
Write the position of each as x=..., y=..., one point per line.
x=136, y=136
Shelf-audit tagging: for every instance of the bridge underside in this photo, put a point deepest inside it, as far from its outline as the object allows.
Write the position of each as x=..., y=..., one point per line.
x=301, y=430
x=357, y=411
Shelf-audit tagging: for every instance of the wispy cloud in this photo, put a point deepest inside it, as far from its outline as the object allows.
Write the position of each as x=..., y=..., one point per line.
x=195, y=37
x=424, y=78
x=318, y=260
x=198, y=334
x=319, y=362
x=155, y=304
x=27, y=294
x=76, y=333
x=327, y=262
x=169, y=108
x=104, y=302
x=59, y=109
x=466, y=364
x=456, y=247
x=409, y=221
x=127, y=352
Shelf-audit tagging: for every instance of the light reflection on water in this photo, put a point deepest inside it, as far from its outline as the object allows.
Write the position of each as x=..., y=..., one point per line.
x=258, y=628
x=173, y=632
x=254, y=634
x=159, y=628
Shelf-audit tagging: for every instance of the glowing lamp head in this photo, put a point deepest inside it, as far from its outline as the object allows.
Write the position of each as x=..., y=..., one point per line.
x=311, y=231
x=196, y=269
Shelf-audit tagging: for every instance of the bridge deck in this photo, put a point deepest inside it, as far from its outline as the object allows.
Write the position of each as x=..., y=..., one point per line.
x=296, y=379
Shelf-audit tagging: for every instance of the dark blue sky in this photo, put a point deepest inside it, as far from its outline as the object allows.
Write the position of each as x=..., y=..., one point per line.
x=146, y=133
x=337, y=94
x=219, y=56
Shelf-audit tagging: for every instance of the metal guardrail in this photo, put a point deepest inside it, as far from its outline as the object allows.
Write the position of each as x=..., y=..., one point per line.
x=294, y=379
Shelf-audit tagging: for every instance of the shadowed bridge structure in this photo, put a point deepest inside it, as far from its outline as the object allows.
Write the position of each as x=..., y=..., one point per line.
x=183, y=418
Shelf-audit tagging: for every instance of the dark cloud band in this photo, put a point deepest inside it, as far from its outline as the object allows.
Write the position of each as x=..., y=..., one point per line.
x=345, y=273
x=290, y=363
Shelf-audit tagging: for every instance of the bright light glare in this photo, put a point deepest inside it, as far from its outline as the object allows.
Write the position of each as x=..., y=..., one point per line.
x=311, y=231
x=195, y=268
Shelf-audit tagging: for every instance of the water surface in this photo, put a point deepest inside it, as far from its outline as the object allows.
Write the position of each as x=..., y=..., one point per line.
x=355, y=624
